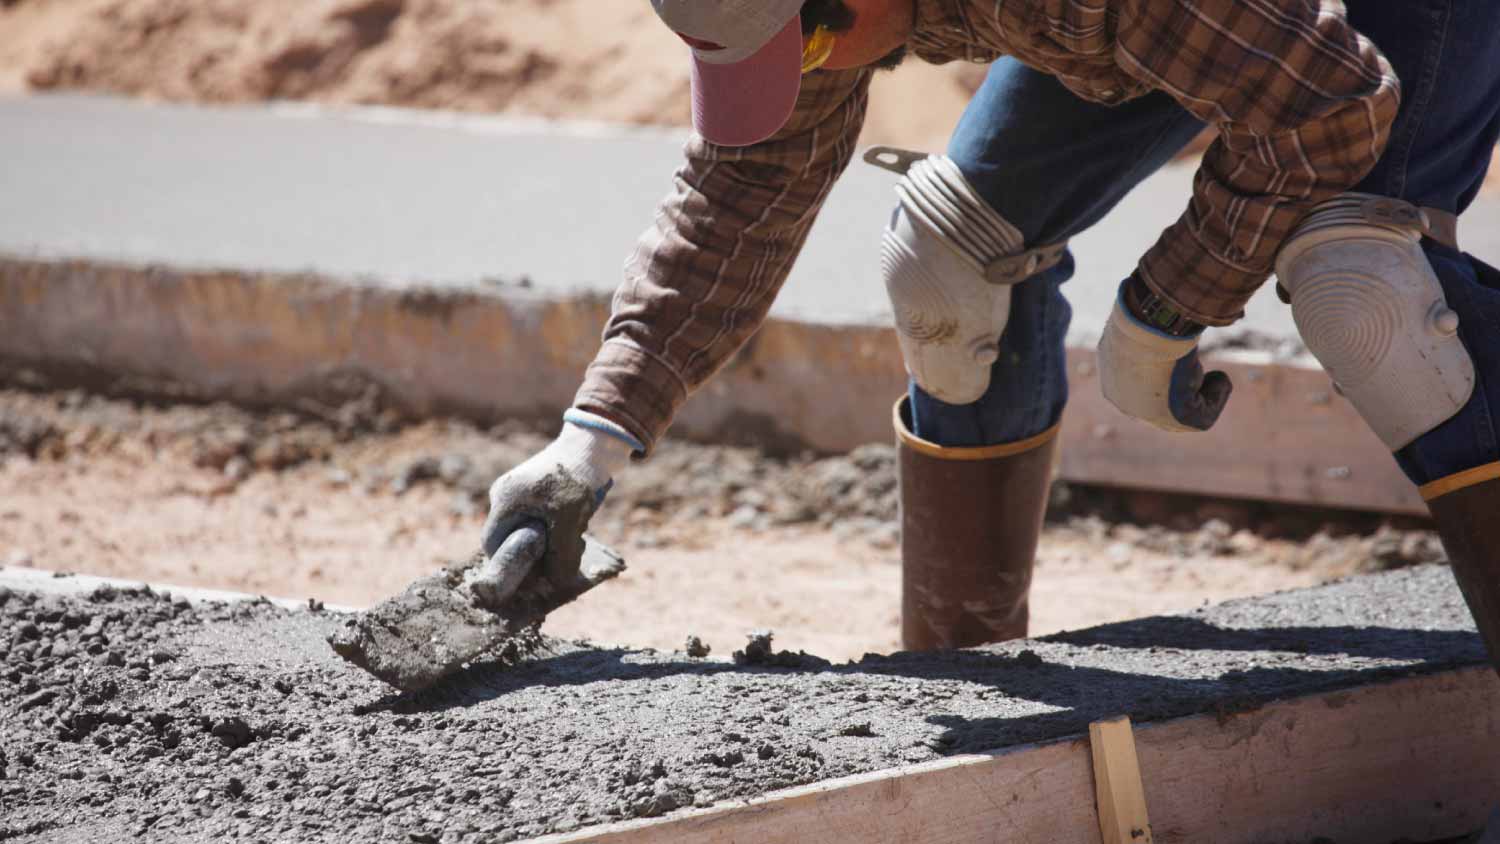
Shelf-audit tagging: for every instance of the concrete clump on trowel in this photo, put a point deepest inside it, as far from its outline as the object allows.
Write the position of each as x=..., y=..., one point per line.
x=443, y=622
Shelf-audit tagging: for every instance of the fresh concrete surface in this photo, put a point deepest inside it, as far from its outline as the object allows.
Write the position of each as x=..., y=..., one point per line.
x=209, y=721
x=397, y=197
x=43, y=582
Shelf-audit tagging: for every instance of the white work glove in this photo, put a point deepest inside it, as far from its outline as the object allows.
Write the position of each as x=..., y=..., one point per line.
x=1156, y=377
x=550, y=497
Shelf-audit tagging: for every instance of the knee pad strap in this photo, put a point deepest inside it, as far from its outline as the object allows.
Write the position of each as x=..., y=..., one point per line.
x=948, y=260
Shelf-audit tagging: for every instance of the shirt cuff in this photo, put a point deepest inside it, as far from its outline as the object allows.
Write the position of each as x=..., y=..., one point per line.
x=1200, y=284
x=633, y=390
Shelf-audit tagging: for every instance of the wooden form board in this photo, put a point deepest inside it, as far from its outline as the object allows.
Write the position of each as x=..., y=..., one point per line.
x=1416, y=758
x=1285, y=436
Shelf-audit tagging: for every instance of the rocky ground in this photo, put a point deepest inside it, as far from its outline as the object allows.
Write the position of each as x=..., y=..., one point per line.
x=131, y=714
x=349, y=504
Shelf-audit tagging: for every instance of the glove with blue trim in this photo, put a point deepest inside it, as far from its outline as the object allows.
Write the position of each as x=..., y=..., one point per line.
x=555, y=493
x=1151, y=372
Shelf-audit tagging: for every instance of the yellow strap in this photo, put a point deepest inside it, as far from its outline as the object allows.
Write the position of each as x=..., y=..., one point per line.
x=984, y=452
x=817, y=49
x=1461, y=480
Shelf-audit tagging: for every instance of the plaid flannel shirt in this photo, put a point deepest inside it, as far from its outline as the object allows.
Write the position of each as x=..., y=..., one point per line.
x=1302, y=103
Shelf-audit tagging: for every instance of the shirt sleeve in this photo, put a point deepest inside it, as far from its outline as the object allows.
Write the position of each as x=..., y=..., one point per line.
x=703, y=276
x=1303, y=104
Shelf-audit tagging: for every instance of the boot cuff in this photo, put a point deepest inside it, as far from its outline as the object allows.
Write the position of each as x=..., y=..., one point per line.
x=1453, y=483
x=901, y=420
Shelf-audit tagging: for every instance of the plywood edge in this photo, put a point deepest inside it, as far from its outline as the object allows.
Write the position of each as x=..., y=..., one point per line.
x=732, y=819
x=1286, y=436
x=1414, y=759
x=980, y=794
x=1193, y=768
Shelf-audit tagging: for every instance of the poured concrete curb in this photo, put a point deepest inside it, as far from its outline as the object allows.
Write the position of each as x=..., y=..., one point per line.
x=1334, y=767
x=499, y=352
x=1359, y=711
x=483, y=354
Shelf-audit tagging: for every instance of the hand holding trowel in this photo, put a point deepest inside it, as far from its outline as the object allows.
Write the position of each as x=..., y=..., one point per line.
x=445, y=621
x=536, y=558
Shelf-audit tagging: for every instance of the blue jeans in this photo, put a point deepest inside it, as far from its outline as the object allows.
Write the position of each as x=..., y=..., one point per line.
x=1053, y=165
x=1447, y=53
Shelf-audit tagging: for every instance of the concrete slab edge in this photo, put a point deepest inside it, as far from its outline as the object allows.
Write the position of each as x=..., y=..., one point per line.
x=1234, y=779
x=490, y=353
x=1415, y=759
x=43, y=582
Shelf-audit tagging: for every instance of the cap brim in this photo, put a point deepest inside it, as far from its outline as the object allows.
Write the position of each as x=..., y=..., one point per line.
x=746, y=102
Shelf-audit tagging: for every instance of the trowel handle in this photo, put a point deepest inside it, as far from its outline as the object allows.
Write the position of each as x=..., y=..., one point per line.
x=502, y=574
x=525, y=545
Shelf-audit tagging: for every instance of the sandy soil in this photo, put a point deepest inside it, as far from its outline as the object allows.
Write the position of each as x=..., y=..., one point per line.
x=720, y=541
x=563, y=59
x=576, y=59
x=559, y=59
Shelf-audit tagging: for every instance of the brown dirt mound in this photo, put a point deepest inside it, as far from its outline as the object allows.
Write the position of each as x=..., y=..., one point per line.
x=577, y=59
x=559, y=59
x=350, y=508
x=542, y=57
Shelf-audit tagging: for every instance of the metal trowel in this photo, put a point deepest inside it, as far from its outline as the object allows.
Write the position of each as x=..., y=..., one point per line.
x=444, y=621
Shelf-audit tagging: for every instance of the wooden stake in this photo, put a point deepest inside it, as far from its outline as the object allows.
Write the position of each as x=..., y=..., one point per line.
x=1117, y=784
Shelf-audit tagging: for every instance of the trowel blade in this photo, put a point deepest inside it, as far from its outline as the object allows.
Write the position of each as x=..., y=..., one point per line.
x=435, y=627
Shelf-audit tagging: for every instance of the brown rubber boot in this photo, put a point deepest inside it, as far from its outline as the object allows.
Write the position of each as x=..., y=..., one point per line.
x=970, y=520
x=1466, y=507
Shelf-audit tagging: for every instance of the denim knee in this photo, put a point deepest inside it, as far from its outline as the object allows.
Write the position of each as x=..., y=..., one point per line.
x=1051, y=164
x=1469, y=439
x=1028, y=382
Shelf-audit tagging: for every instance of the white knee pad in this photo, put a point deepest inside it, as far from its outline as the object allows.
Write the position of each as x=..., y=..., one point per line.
x=949, y=261
x=1370, y=308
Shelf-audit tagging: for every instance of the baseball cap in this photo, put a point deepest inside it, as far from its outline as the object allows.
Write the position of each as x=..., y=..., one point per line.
x=747, y=64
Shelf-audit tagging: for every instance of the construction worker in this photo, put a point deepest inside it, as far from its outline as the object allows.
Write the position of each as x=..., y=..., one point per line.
x=1321, y=170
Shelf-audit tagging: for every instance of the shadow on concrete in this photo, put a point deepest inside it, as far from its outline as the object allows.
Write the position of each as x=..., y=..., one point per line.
x=1184, y=633
x=1150, y=669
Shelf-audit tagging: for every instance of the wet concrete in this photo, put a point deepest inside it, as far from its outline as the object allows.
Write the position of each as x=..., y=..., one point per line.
x=135, y=714
x=440, y=624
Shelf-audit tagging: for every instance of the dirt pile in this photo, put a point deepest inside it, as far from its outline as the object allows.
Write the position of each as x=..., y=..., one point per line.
x=24, y=433
x=560, y=59
x=684, y=480
x=573, y=59
x=549, y=58
x=132, y=713
x=349, y=504
x=854, y=494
